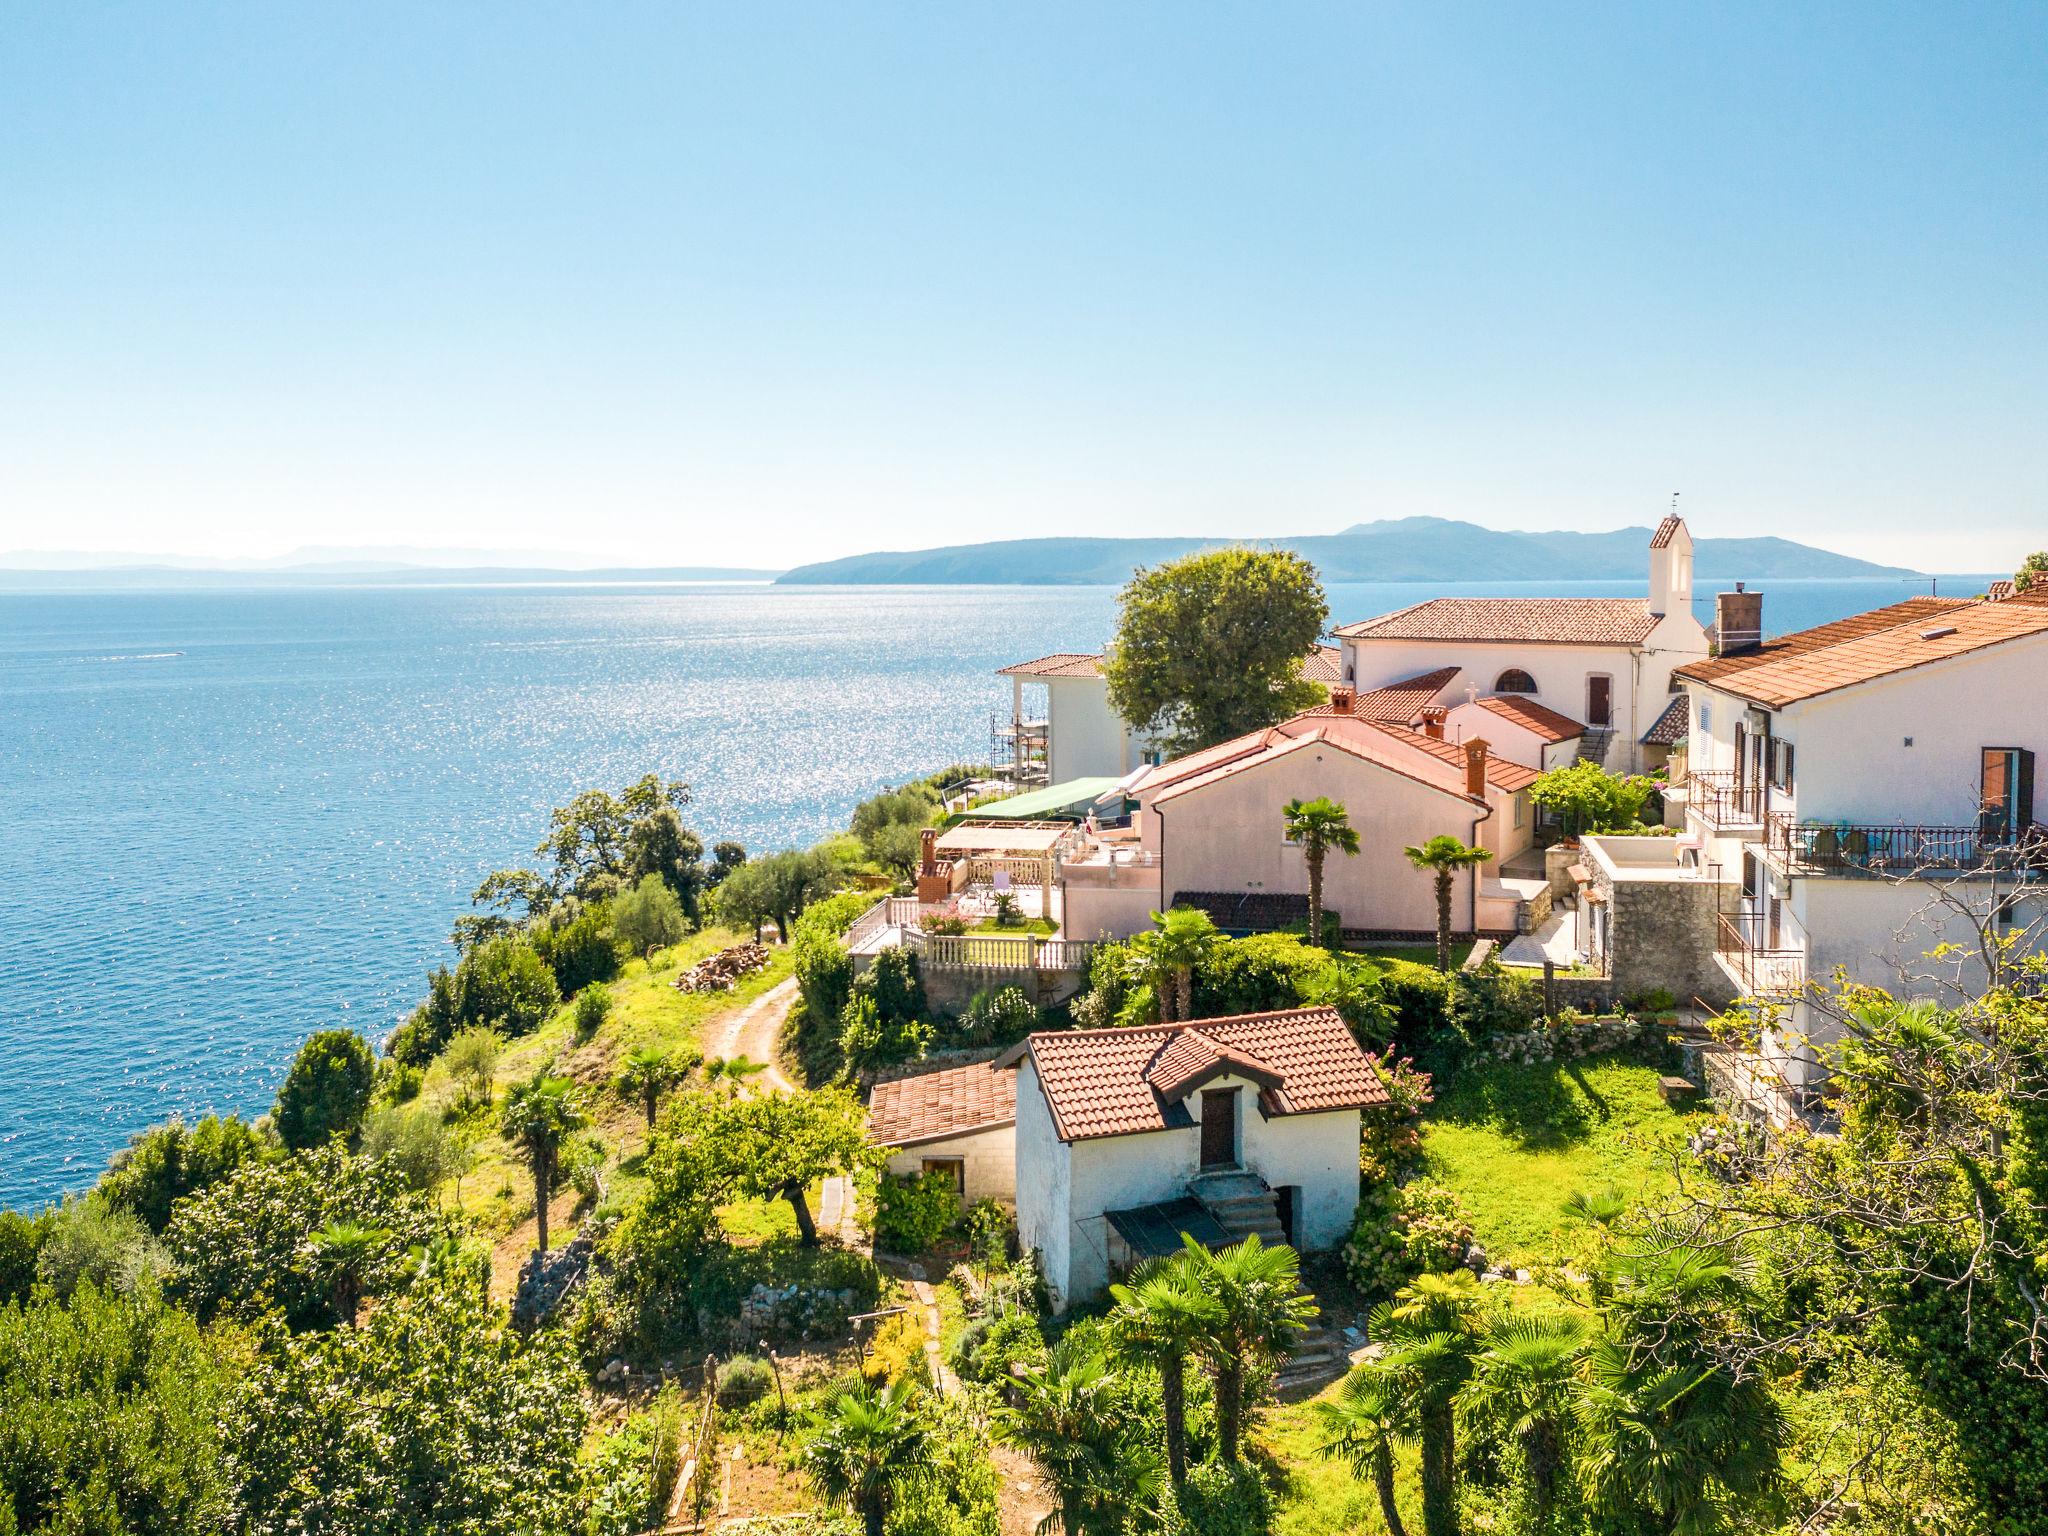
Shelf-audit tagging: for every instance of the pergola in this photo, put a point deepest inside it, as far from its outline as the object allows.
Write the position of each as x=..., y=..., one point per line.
x=1025, y=848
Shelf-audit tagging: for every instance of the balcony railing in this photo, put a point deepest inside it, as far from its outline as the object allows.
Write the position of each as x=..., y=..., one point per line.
x=1725, y=800
x=1765, y=967
x=1898, y=849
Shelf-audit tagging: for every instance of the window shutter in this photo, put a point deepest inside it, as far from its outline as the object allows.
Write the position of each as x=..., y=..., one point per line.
x=2023, y=797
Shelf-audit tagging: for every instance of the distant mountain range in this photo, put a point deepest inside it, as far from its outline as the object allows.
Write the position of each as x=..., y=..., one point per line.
x=1397, y=549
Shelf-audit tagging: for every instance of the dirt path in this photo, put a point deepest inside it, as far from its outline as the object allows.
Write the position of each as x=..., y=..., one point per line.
x=752, y=1033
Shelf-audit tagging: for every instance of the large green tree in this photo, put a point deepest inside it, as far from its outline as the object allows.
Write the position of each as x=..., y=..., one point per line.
x=167, y=1162
x=775, y=1146
x=431, y=1417
x=1210, y=646
x=110, y=1412
x=327, y=1091
x=648, y=917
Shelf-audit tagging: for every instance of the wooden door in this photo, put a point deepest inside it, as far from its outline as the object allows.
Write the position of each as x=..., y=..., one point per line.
x=1219, y=1127
x=1600, y=700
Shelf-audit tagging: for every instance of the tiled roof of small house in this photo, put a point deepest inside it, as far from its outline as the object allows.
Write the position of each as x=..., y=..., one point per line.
x=1537, y=719
x=1116, y=1082
x=1670, y=727
x=1530, y=620
x=1907, y=611
x=1500, y=772
x=2000, y=590
x=1398, y=703
x=933, y=1105
x=1324, y=664
x=1790, y=677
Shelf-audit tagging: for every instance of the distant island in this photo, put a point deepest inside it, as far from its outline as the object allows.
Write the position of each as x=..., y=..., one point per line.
x=1396, y=549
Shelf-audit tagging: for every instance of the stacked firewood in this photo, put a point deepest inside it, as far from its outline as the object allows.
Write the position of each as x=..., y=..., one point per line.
x=723, y=969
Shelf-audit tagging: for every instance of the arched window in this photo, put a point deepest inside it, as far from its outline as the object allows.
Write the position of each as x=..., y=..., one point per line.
x=1514, y=680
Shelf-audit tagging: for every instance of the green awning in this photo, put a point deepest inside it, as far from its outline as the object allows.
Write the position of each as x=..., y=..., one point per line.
x=1075, y=797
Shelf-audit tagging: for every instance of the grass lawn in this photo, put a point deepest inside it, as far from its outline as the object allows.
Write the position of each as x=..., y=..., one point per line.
x=1044, y=927
x=1514, y=1141
x=1318, y=1496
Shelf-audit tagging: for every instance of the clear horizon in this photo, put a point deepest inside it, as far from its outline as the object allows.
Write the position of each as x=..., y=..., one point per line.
x=726, y=286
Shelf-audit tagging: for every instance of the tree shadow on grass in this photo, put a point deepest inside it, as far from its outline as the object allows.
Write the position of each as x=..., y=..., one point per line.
x=1542, y=1106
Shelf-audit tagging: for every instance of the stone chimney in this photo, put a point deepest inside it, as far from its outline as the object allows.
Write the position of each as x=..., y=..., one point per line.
x=928, y=854
x=1433, y=722
x=1738, y=620
x=1475, y=768
x=1341, y=699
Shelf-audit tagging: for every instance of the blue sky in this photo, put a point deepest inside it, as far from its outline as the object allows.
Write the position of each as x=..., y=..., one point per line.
x=765, y=283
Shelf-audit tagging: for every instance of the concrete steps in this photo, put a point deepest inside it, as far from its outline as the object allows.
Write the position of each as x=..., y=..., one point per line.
x=1593, y=746
x=1242, y=1205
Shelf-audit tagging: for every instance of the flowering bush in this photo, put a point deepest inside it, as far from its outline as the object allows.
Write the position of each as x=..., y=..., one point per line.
x=942, y=924
x=1416, y=1229
x=1392, y=1139
x=1567, y=1037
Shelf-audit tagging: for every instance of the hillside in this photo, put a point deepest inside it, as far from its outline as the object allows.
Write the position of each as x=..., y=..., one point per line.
x=1398, y=549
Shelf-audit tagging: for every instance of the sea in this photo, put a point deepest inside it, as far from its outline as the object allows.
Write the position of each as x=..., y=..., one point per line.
x=230, y=818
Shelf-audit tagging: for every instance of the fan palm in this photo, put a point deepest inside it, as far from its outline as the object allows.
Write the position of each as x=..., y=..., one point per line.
x=1445, y=857
x=1259, y=1313
x=1062, y=1415
x=1318, y=827
x=539, y=1117
x=1602, y=1207
x=732, y=1071
x=1524, y=1382
x=647, y=1075
x=1161, y=1317
x=870, y=1443
x=1361, y=1426
x=1181, y=941
x=1677, y=1442
x=346, y=1252
x=1428, y=1331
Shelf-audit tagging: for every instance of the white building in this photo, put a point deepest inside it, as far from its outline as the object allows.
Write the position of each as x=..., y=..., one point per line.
x=1126, y=1138
x=1604, y=662
x=1863, y=792
x=1075, y=734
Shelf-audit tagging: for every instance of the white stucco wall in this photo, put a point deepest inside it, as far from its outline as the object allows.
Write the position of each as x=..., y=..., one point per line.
x=1044, y=1183
x=1515, y=743
x=1087, y=739
x=990, y=1157
x=1112, y=1173
x=1227, y=836
x=1091, y=911
x=1317, y=1152
x=1641, y=687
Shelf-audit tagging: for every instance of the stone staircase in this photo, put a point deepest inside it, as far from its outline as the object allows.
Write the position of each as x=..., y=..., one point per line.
x=1594, y=745
x=1241, y=1204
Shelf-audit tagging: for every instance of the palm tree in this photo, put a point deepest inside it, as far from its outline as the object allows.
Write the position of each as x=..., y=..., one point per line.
x=1063, y=1416
x=1679, y=1439
x=1361, y=1425
x=1260, y=1311
x=1445, y=856
x=1161, y=1317
x=731, y=1071
x=1525, y=1382
x=1428, y=1333
x=346, y=1252
x=1318, y=827
x=1180, y=941
x=647, y=1075
x=539, y=1117
x=871, y=1443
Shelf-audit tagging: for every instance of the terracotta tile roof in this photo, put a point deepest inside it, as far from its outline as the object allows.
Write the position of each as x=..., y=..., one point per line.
x=1666, y=530
x=1536, y=620
x=1367, y=740
x=1398, y=702
x=1192, y=1058
x=1999, y=591
x=1820, y=635
x=1669, y=728
x=1324, y=664
x=1538, y=719
x=1058, y=664
x=1107, y=1082
x=1500, y=773
x=938, y=1104
x=1806, y=674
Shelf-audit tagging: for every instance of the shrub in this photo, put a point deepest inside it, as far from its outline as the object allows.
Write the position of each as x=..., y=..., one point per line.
x=868, y=1040
x=1002, y=1015
x=170, y=1161
x=502, y=984
x=89, y=1242
x=1420, y=997
x=892, y=980
x=1656, y=1000
x=1109, y=987
x=1586, y=798
x=744, y=1379
x=21, y=1245
x=985, y=1350
x=414, y=1142
x=471, y=1061
x=1401, y=1233
x=593, y=1007
x=942, y=924
x=327, y=1091
x=914, y=1212
x=896, y=1349
x=1390, y=1143
x=1224, y=1500
x=580, y=951
x=1259, y=974
x=1490, y=999
x=649, y=917
x=398, y=1083
x=991, y=1232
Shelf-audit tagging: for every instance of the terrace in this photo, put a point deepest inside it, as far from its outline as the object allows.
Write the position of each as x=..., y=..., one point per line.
x=1894, y=850
x=1726, y=801
x=1766, y=960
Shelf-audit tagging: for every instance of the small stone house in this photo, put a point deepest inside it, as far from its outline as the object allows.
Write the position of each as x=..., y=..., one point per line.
x=1127, y=1138
x=960, y=1121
